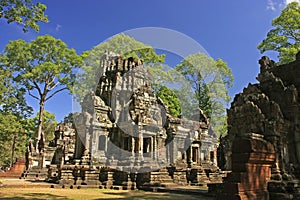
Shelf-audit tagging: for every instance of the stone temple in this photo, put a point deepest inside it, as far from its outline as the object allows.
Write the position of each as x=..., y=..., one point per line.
x=263, y=141
x=260, y=155
x=126, y=137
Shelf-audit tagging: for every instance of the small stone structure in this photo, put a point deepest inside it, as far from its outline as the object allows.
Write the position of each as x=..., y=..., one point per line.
x=125, y=137
x=263, y=132
x=16, y=170
x=252, y=158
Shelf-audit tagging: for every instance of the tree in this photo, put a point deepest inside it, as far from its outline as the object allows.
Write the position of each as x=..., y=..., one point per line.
x=43, y=67
x=13, y=138
x=12, y=99
x=13, y=111
x=170, y=99
x=70, y=118
x=49, y=124
x=210, y=80
x=284, y=38
x=23, y=12
x=126, y=47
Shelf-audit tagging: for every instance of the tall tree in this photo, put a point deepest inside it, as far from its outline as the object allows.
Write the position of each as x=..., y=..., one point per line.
x=13, y=111
x=44, y=67
x=49, y=124
x=210, y=80
x=13, y=138
x=23, y=12
x=284, y=38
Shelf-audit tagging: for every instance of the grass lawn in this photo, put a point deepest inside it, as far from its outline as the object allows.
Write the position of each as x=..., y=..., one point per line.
x=51, y=193
x=18, y=190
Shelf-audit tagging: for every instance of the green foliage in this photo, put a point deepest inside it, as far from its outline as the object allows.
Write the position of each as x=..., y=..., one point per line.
x=49, y=124
x=45, y=60
x=170, y=99
x=11, y=97
x=42, y=67
x=70, y=118
x=120, y=44
x=210, y=80
x=125, y=46
x=160, y=75
x=23, y=12
x=11, y=127
x=284, y=38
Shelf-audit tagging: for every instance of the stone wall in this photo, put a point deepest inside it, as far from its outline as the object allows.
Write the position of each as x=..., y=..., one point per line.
x=269, y=110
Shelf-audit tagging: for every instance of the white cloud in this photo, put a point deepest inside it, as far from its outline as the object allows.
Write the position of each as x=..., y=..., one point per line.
x=290, y=1
x=277, y=5
x=58, y=26
x=271, y=5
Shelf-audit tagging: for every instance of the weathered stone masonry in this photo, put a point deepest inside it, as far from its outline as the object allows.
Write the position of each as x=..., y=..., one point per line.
x=125, y=136
x=265, y=118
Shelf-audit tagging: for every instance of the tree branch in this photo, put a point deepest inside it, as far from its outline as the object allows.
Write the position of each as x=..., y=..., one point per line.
x=56, y=84
x=291, y=35
x=57, y=91
x=37, y=87
x=52, y=81
x=33, y=95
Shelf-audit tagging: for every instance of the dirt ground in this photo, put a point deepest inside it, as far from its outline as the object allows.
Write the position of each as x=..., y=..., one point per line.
x=21, y=189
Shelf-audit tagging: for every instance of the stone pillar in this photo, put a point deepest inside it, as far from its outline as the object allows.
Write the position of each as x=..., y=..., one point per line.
x=189, y=156
x=151, y=147
x=155, y=148
x=87, y=139
x=129, y=184
x=297, y=139
x=141, y=145
x=106, y=141
x=276, y=168
x=214, y=160
x=252, y=159
x=109, y=182
x=198, y=156
x=174, y=151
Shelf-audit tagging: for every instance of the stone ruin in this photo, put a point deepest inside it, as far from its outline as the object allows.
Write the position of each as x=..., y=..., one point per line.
x=262, y=147
x=125, y=137
x=60, y=150
x=263, y=142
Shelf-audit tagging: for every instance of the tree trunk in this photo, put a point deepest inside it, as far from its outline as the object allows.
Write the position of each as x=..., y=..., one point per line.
x=13, y=151
x=40, y=123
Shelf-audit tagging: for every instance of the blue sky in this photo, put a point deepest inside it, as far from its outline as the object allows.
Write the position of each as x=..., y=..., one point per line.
x=229, y=29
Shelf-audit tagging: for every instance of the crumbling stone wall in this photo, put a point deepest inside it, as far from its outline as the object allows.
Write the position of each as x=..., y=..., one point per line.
x=269, y=110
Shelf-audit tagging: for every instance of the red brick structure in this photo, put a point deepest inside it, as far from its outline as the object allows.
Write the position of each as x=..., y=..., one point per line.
x=252, y=158
x=16, y=171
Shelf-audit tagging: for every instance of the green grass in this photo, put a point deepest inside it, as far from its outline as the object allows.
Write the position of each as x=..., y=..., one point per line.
x=54, y=193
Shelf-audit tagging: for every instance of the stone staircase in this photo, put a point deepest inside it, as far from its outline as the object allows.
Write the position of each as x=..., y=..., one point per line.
x=35, y=170
x=160, y=178
x=35, y=173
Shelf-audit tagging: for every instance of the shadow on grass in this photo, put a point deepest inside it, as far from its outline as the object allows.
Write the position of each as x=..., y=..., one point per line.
x=151, y=196
x=35, y=196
